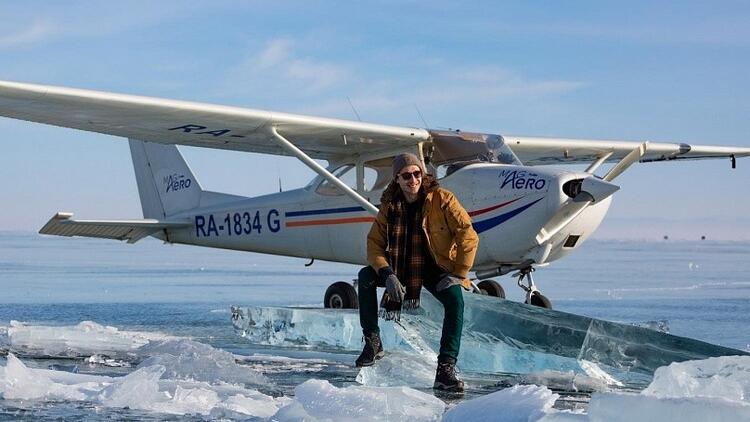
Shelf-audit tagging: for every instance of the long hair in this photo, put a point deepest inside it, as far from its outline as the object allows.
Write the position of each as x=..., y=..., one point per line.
x=393, y=190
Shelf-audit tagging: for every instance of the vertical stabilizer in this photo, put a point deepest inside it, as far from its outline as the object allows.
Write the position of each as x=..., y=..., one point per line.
x=165, y=183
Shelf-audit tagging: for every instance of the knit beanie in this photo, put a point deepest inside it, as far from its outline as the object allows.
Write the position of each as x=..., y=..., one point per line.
x=402, y=160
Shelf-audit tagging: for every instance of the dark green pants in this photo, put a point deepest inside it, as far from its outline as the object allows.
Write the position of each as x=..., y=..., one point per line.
x=452, y=299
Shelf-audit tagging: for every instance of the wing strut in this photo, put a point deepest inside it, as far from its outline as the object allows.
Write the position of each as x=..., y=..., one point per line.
x=317, y=168
x=595, y=165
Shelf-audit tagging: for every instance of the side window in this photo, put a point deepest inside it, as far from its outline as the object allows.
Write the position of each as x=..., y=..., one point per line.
x=347, y=174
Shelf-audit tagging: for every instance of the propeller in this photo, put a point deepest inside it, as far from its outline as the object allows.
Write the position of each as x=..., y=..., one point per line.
x=592, y=190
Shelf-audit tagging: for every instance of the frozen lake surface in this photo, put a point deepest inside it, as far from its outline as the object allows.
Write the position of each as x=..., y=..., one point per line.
x=99, y=329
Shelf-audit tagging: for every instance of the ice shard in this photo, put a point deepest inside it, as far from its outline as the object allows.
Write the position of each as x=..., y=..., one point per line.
x=499, y=336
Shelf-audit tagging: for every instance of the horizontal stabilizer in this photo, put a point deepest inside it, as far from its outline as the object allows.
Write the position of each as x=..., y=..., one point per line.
x=62, y=224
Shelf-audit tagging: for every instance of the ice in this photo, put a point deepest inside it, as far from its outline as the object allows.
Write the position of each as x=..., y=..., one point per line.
x=725, y=377
x=399, y=368
x=609, y=407
x=712, y=389
x=175, y=376
x=106, y=361
x=499, y=337
x=416, y=335
x=22, y=383
x=520, y=403
x=181, y=358
x=661, y=325
x=570, y=381
x=182, y=377
x=240, y=406
x=137, y=390
x=623, y=347
x=84, y=339
x=188, y=359
x=143, y=389
x=317, y=400
x=261, y=357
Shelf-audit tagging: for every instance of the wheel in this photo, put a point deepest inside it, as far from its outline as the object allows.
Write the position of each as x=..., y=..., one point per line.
x=341, y=295
x=538, y=299
x=491, y=288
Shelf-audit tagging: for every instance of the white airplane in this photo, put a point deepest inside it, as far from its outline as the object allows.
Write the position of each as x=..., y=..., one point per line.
x=525, y=215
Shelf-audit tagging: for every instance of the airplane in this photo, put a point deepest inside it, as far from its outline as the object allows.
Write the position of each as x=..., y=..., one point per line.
x=527, y=214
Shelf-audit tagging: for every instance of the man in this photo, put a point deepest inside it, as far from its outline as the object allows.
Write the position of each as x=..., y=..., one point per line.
x=422, y=237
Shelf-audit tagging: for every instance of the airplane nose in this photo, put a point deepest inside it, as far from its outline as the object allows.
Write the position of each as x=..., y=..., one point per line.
x=596, y=189
x=589, y=189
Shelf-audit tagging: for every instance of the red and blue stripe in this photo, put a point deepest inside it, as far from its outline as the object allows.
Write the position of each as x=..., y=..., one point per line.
x=479, y=226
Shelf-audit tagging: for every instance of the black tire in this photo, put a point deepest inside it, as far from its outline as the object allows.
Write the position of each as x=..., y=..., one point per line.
x=492, y=288
x=538, y=299
x=341, y=295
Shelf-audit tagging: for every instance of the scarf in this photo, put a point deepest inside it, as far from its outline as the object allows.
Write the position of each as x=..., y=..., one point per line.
x=407, y=246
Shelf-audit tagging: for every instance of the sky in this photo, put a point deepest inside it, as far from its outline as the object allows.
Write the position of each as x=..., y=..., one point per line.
x=660, y=71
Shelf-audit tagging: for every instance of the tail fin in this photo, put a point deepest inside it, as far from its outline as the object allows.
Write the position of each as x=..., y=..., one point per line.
x=165, y=183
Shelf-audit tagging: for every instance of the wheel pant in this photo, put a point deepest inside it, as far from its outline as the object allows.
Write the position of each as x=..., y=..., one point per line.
x=451, y=298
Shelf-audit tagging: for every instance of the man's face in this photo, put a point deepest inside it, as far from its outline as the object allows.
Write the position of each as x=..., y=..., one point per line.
x=412, y=185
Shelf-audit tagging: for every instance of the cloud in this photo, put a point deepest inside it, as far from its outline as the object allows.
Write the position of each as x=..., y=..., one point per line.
x=38, y=31
x=89, y=19
x=445, y=91
x=279, y=67
x=276, y=52
x=291, y=75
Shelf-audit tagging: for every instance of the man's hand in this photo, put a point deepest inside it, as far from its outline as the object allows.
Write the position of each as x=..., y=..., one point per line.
x=393, y=286
x=395, y=289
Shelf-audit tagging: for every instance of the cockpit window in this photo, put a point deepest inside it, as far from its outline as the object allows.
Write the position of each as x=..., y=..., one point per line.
x=348, y=174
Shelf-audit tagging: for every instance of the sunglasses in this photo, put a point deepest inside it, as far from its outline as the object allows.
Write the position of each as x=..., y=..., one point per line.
x=407, y=176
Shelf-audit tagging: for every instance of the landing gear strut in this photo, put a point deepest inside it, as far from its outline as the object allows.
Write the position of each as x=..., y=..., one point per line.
x=533, y=295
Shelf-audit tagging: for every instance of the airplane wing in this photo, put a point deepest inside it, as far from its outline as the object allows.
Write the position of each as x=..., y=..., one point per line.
x=62, y=224
x=250, y=130
x=199, y=124
x=535, y=151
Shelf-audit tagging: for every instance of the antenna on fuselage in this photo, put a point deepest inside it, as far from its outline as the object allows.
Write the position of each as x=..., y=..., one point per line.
x=424, y=122
x=353, y=109
x=278, y=173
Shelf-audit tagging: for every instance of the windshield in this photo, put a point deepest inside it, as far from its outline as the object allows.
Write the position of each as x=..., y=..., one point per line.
x=500, y=152
x=461, y=148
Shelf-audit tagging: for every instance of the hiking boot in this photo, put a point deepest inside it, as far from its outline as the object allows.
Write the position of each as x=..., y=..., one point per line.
x=372, y=351
x=445, y=377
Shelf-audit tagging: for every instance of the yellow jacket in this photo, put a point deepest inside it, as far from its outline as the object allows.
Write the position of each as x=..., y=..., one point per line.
x=450, y=236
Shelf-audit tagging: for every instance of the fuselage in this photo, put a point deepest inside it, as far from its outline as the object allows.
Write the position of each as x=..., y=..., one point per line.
x=508, y=206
